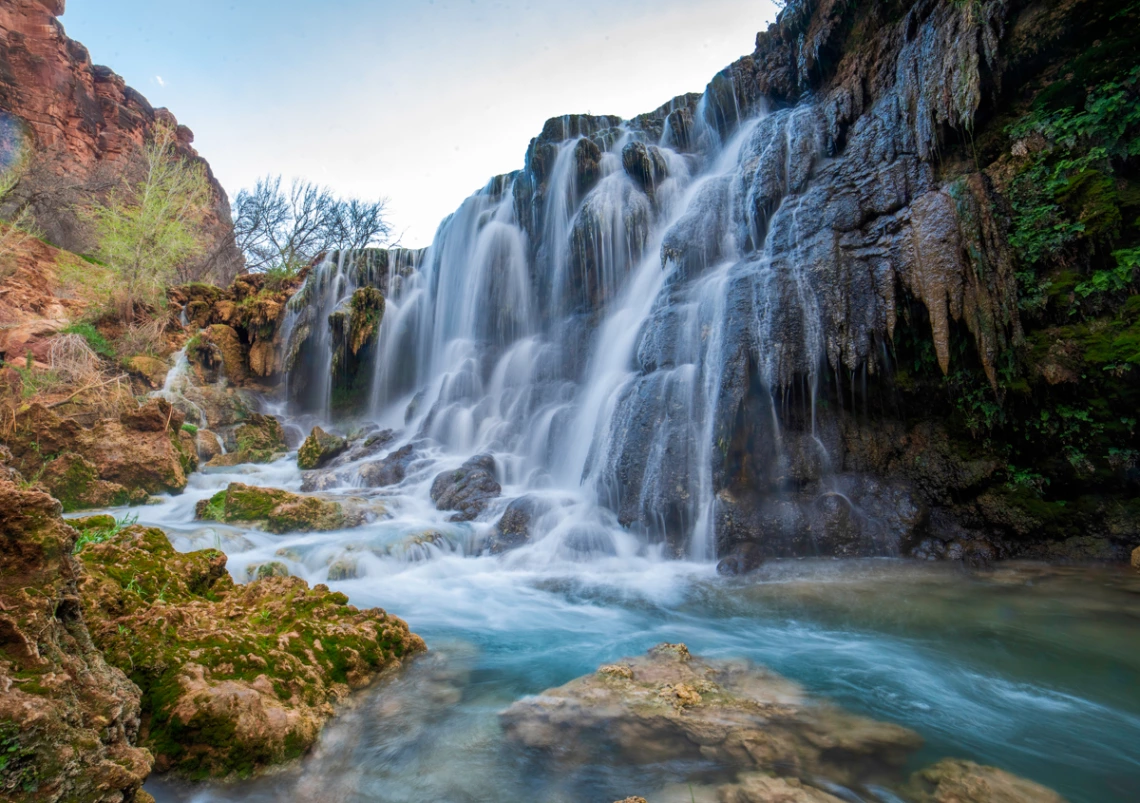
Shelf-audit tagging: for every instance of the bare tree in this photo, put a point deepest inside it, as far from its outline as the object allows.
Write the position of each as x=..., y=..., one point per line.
x=286, y=229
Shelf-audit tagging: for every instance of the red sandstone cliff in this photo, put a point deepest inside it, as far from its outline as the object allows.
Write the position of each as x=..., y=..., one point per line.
x=85, y=128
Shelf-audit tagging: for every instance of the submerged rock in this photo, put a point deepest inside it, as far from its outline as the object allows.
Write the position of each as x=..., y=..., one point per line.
x=234, y=678
x=757, y=788
x=69, y=722
x=956, y=781
x=671, y=705
x=1136, y=559
x=468, y=489
x=277, y=511
x=319, y=449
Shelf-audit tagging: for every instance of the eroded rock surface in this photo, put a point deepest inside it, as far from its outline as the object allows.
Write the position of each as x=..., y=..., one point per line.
x=672, y=705
x=954, y=781
x=234, y=678
x=112, y=462
x=69, y=722
x=467, y=489
x=319, y=449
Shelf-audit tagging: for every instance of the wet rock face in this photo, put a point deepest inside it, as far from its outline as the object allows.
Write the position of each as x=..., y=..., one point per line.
x=69, y=722
x=113, y=462
x=234, y=678
x=672, y=705
x=319, y=449
x=517, y=525
x=744, y=559
x=392, y=470
x=645, y=165
x=467, y=489
x=85, y=129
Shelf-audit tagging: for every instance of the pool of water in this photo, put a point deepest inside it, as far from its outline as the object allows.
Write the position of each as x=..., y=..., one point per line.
x=1031, y=668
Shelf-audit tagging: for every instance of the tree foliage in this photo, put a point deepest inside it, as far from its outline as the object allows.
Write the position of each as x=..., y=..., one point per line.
x=285, y=229
x=145, y=232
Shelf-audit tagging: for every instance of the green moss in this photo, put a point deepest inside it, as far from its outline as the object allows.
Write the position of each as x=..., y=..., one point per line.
x=236, y=633
x=96, y=341
x=98, y=534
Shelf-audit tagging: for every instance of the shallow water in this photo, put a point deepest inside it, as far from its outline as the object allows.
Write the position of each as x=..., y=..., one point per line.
x=1030, y=668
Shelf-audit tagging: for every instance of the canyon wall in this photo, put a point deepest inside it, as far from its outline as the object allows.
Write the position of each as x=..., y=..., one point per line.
x=82, y=129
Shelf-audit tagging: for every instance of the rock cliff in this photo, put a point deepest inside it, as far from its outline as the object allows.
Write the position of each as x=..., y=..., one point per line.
x=82, y=129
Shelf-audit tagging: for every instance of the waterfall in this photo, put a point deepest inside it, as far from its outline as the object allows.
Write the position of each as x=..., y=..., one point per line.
x=608, y=321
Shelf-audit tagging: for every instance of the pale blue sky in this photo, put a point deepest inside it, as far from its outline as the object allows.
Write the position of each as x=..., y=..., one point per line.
x=419, y=100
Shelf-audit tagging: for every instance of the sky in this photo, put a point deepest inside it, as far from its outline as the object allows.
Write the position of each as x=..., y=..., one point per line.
x=419, y=101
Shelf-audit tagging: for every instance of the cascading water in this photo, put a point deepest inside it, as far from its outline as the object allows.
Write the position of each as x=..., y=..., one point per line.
x=577, y=320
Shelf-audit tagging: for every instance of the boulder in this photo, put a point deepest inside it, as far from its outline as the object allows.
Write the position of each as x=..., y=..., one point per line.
x=671, y=705
x=468, y=489
x=955, y=781
x=260, y=439
x=69, y=722
x=144, y=452
x=1136, y=559
x=276, y=511
x=392, y=470
x=150, y=369
x=515, y=528
x=208, y=444
x=319, y=449
x=74, y=481
x=235, y=678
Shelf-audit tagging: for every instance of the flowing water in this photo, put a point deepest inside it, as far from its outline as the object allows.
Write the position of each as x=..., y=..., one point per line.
x=591, y=323
x=1030, y=668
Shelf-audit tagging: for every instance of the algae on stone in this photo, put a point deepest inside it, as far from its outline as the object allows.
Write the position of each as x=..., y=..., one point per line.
x=276, y=510
x=318, y=449
x=68, y=721
x=234, y=678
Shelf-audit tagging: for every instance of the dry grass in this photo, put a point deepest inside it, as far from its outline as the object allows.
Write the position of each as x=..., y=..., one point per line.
x=148, y=337
x=73, y=360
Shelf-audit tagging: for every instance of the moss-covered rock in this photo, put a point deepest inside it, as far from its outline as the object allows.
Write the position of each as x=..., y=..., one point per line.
x=259, y=440
x=319, y=448
x=68, y=720
x=234, y=678
x=75, y=482
x=151, y=369
x=276, y=510
x=112, y=462
x=367, y=314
